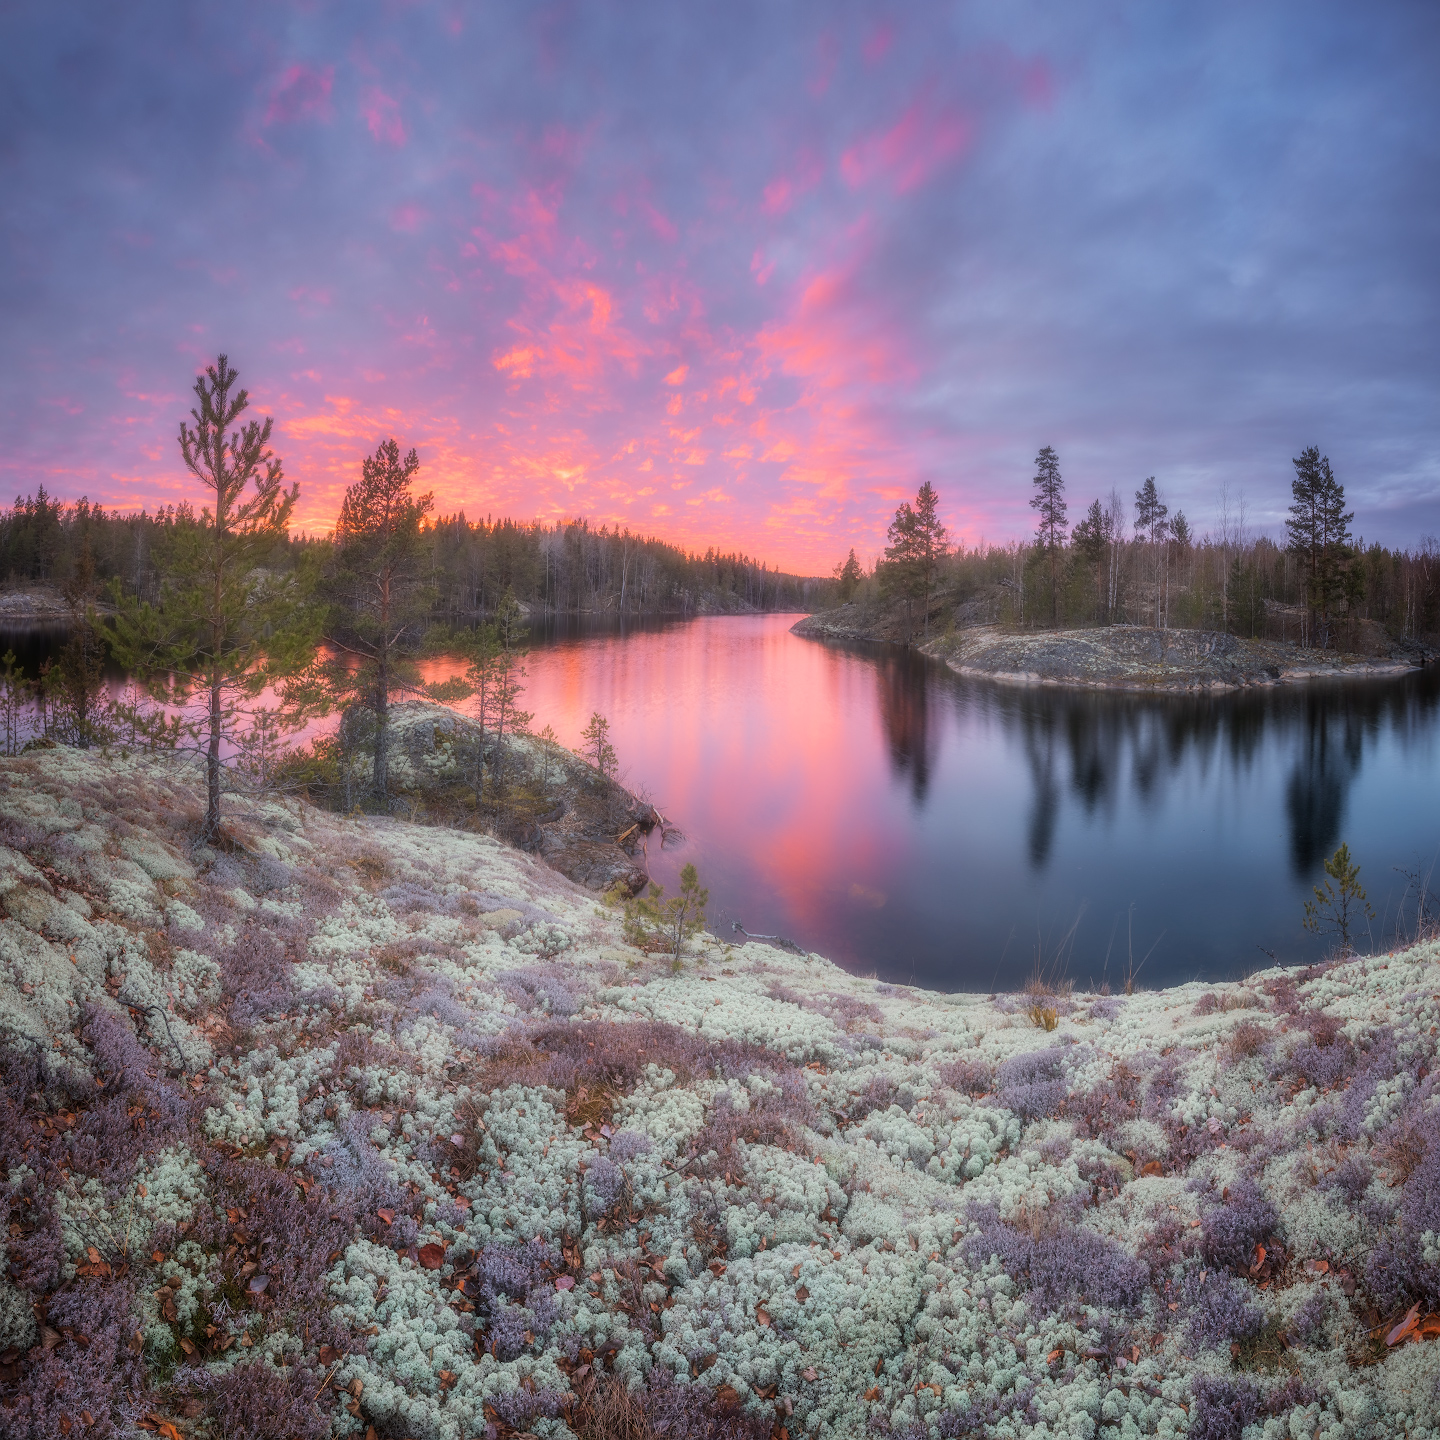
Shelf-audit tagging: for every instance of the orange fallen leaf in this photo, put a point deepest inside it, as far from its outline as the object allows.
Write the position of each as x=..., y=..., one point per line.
x=873, y=1393
x=762, y=1315
x=386, y=1215
x=1259, y=1258
x=169, y=1431
x=802, y=1294
x=1053, y=1356
x=1429, y=1327
x=1404, y=1327
x=432, y=1256
x=1152, y=1167
x=1318, y=1267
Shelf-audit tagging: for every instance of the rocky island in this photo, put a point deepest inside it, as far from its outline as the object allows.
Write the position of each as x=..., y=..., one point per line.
x=357, y=1126
x=1119, y=657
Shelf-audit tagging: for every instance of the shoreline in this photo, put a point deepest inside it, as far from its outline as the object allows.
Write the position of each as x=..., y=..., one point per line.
x=1122, y=658
x=549, y=1172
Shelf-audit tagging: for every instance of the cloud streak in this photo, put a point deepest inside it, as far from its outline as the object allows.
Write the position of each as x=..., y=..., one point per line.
x=742, y=275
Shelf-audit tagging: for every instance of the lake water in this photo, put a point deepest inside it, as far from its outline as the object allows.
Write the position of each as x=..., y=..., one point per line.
x=954, y=833
x=959, y=834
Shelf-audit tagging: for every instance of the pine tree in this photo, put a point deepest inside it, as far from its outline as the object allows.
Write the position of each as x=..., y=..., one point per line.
x=1150, y=518
x=1049, y=502
x=1339, y=906
x=383, y=606
x=930, y=539
x=901, y=572
x=849, y=575
x=597, y=747
x=917, y=539
x=510, y=632
x=1317, y=531
x=224, y=625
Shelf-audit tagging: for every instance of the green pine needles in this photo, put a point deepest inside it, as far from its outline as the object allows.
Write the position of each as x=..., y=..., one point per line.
x=226, y=623
x=597, y=747
x=653, y=922
x=1340, y=904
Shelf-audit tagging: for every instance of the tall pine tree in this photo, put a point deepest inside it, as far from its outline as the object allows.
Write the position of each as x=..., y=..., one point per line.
x=912, y=558
x=1317, y=531
x=225, y=625
x=1151, y=519
x=1048, y=502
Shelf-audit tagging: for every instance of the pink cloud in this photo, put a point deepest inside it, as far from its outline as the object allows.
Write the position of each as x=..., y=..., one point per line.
x=382, y=115
x=909, y=152
x=778, y=195
x=1038, y=85
x=880, y=41
x=301, y=93
x=827, y=57
x=408, y=218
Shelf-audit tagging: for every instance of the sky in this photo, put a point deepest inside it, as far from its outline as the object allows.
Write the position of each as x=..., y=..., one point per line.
x=742, y=274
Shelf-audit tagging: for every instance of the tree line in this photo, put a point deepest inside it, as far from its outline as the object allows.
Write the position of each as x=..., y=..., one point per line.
x=1141, y=563
x=237, y=632
x=567, y=568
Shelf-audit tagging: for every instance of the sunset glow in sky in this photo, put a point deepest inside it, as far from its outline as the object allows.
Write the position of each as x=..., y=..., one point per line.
x=733, y=274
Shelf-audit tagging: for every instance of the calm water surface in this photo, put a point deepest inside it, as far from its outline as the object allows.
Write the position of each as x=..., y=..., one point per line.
x=918, y=826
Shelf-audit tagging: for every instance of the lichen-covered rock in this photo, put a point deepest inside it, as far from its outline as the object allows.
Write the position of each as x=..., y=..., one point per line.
x=365, y=1123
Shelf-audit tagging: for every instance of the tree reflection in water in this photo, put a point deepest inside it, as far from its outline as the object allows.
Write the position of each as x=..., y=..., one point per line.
x=1324, y=726
x=904, y=695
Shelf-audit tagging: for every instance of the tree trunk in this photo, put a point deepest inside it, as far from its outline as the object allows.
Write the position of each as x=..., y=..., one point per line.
x=212, y=761
x=380, y=778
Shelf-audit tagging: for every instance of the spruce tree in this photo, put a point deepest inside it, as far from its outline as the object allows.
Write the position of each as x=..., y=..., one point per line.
x=849, y=575
x=224, y=625
x=1048, y=502
x=1090, y=538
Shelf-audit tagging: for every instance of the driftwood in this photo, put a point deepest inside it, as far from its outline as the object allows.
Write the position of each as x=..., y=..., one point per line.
x=779, y=941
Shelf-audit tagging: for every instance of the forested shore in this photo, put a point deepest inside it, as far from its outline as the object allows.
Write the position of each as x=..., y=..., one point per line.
x=568, y=568
x=1322, y=587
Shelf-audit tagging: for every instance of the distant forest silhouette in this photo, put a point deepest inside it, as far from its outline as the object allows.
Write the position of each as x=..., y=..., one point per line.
x=570, y=567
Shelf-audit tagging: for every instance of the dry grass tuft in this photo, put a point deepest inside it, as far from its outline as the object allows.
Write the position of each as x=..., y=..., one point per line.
x=1247, y=1039
x=1043, y=1017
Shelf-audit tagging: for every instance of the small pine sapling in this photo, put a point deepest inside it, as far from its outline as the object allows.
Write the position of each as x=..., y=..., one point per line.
x=598, y=749
x=653, y=922
x=1339, y=905
x=549, y=741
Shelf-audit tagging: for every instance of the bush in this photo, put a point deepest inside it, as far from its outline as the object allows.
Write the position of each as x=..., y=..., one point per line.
x=1231, y=1230
x=1032, y=1085
x=1221, y=1309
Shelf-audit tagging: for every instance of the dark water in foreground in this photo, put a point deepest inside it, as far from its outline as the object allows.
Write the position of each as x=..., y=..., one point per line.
x=879, y=809
x=953, y=833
